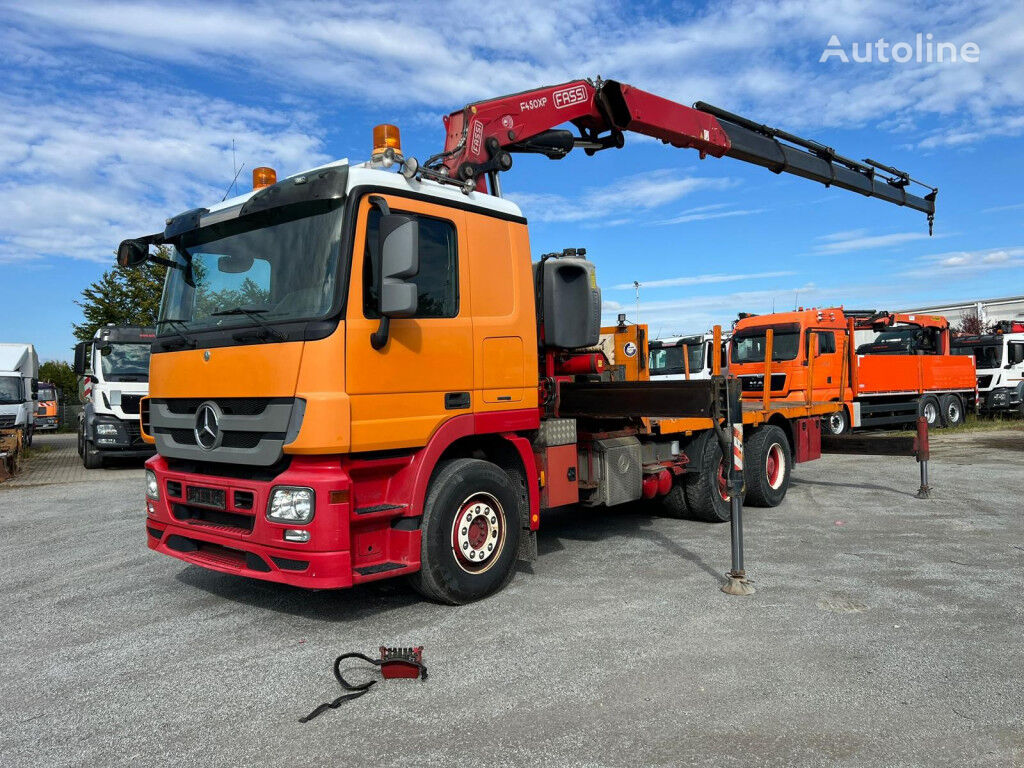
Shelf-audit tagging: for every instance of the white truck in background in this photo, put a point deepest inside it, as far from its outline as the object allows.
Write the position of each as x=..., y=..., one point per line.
x=114, y=371
x=19, y=378
x=674, y=357
x=999, y=361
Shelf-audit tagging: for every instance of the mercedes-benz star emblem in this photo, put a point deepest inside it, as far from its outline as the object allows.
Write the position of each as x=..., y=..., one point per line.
x=207, y=429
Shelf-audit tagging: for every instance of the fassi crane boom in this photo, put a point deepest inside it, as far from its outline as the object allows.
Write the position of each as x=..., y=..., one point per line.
x=481, y=136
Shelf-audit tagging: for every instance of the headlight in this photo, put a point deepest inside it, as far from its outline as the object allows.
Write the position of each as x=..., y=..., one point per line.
x=291, y=505
x=106, y=429
x=152, y=488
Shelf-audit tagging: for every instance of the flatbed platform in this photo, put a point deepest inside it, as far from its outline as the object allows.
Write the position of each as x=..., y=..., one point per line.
x=754, y=414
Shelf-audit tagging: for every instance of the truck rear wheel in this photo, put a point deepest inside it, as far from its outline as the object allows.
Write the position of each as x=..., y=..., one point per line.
x=952, y=411
x=706, y=491
x=674, y=503
x=767, y=465
x=928, y=406
x=470, y=532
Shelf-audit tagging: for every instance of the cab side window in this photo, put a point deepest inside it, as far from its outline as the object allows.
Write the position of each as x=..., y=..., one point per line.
x=1016, y=353
x=438, y=278
x=826, y=341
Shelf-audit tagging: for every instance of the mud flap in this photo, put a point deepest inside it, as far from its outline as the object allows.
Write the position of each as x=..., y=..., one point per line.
x=527, y=546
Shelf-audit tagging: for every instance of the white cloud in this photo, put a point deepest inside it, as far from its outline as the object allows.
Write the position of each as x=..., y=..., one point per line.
x=701, y=280
x=605, y=205
x=859, y=240
x=942, y=265
x=106, y=167
x=708, y=212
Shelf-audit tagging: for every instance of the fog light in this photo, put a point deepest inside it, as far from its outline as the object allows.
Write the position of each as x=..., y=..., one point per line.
x=106, y=429
x=291, y=505
x=294, y=534
x=152, y=488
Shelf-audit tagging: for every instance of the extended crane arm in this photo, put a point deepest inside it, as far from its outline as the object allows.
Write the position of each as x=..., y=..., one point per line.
x=481, y=136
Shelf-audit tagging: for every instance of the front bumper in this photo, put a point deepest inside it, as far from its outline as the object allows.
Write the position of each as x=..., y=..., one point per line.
x=46, y=423
x=1000, y=399
x=119, y=436
x=238, y=538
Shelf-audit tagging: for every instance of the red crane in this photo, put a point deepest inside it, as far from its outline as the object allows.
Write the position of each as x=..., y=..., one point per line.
x=481, y=137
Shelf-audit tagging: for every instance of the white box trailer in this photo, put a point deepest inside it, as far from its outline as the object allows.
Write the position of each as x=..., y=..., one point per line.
x=19, y=378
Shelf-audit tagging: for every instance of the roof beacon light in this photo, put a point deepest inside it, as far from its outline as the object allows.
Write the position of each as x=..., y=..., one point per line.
x=385, y=137
x=263, y=177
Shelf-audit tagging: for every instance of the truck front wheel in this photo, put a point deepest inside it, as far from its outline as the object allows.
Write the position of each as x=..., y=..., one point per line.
x=837, y=423
x=470, y=532
x=91, y=457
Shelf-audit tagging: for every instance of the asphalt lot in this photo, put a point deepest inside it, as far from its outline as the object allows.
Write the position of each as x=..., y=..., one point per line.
x=885, y=632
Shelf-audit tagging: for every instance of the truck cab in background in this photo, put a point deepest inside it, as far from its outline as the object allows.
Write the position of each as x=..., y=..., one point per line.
x=114, y=371
x=19, y=372
x=47, y=408
x=999, y=359
x=685, y=357
x=902, y=369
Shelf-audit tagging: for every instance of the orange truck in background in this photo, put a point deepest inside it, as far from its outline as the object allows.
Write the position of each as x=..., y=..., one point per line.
x=901, y=369
x=47, y=414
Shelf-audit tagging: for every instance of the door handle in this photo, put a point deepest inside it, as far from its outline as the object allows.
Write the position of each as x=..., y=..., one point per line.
x=456, y=401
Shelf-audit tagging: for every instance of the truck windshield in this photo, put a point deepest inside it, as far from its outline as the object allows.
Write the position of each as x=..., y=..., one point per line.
x=668, y=360
x=125, y=361
x=985, y=355
x=748, y=345
x=275, y=266
x=10, y=390
x=46, y=393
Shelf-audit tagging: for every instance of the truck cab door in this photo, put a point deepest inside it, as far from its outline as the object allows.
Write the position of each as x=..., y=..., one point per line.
x=423, y=375
x=828, y=364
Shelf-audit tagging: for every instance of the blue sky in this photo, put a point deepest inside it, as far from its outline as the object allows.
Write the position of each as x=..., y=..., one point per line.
x=115, y=115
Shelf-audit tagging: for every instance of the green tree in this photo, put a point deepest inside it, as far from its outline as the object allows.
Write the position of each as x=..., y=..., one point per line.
x=60, y=373
x=122, y=296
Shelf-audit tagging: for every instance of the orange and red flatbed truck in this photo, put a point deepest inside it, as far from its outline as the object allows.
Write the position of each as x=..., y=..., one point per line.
x=359, y=374
x=905, y=371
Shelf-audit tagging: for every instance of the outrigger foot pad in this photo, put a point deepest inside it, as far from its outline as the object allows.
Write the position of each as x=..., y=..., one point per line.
x=738, y=584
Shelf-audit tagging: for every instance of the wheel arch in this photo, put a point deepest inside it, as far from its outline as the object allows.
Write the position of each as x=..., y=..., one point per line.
x=495, y=437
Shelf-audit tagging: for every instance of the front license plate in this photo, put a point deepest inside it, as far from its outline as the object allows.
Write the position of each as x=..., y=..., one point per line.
x=206, y=497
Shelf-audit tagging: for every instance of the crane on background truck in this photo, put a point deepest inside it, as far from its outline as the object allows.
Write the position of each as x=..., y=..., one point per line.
x=405, y=393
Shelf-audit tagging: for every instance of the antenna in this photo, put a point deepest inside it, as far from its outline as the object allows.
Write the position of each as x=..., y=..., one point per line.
x=237, y=169
x=636, y=287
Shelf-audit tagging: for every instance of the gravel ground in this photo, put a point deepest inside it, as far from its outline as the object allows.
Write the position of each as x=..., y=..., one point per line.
x=885, y=632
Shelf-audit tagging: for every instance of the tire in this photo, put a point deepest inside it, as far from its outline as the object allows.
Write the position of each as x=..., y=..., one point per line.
x=952, y=410
x=704, y=496
x=91, y=457
x=673, y=503
x=928, y=406
x=837, y=423
x=486, y=501
x=767, y=467
x=30, y=432
x=81, y=440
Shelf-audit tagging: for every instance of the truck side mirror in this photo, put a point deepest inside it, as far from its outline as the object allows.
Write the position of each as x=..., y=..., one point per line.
x=132, y=253
x=35, y=389
x=398, y=262
x=81, y=357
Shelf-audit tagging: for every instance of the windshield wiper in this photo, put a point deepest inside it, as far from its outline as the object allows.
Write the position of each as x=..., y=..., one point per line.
x=189, y=342
x=254, y=315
